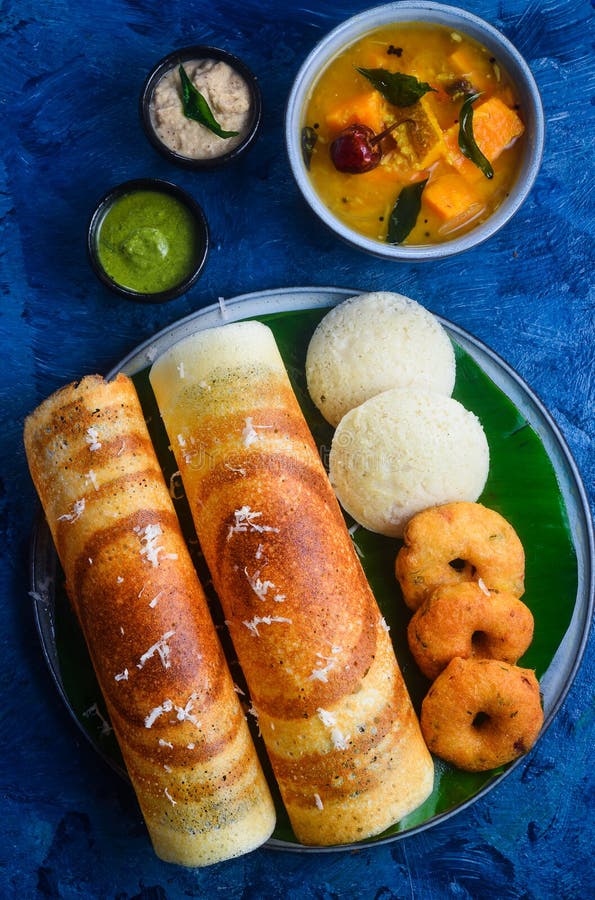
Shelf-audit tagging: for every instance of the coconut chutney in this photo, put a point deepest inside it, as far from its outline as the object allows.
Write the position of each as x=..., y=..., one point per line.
x=229, y=99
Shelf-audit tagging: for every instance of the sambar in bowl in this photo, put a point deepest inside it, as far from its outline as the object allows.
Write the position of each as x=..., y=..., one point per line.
x=415, y=130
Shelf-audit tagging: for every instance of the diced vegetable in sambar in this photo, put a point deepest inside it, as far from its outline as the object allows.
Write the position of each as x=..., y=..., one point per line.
x=495, y=126
x=464, y=61
x=420, y=139
x=450, y=197
x=365, y=109
x=412, y=102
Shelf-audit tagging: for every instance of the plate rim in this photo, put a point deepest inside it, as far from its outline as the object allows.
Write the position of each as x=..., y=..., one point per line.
x=576, y=636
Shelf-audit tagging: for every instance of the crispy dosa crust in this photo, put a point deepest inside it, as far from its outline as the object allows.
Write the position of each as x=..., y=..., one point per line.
x=338, y=724
x=144, y=615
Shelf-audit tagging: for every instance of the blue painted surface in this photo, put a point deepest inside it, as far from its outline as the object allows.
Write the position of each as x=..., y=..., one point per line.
x=70, y=76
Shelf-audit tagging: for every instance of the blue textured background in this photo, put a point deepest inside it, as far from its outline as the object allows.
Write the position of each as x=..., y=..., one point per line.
x=70, y=74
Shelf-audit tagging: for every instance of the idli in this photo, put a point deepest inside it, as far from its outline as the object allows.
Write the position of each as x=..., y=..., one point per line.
x=403, y=451
x=374, y=342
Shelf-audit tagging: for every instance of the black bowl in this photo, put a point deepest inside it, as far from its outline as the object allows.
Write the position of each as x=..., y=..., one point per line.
x=148, y=184
x=174, y=59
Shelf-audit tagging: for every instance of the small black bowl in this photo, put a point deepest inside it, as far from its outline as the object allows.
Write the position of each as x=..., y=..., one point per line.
x=148, y=184
x=174, y=59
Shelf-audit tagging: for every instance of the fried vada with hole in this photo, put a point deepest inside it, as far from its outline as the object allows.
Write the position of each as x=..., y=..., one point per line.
x=459, y=542
x=482, y=713
x=468, y=621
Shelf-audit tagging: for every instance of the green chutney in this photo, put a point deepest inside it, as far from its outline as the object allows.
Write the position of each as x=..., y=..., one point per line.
x=148, y=242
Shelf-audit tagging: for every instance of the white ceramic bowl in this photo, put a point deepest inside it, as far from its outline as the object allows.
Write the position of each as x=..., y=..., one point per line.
x=461, y=20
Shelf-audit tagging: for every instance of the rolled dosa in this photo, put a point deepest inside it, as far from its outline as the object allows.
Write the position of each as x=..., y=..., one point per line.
x=169, y=693
x=337, y=721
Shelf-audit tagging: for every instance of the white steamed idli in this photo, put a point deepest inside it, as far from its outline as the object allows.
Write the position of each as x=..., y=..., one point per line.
x=403, y=451
x=374, y=342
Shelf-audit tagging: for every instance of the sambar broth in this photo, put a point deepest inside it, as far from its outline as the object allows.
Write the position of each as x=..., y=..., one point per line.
x=454, y=65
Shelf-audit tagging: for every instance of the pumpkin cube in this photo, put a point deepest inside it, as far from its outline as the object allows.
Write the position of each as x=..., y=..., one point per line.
x=495, y=126
x=449, y=196
x=366, y=109
x=472, y=66
x=420, y=138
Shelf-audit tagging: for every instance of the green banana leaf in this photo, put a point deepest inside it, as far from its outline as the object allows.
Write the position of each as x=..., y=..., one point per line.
x=522, y=486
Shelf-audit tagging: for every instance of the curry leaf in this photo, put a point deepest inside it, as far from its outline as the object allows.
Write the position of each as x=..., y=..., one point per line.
x=397, y=88
x=196, y=107
x=405, y=212
x=467, y=141
x=309, y=138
